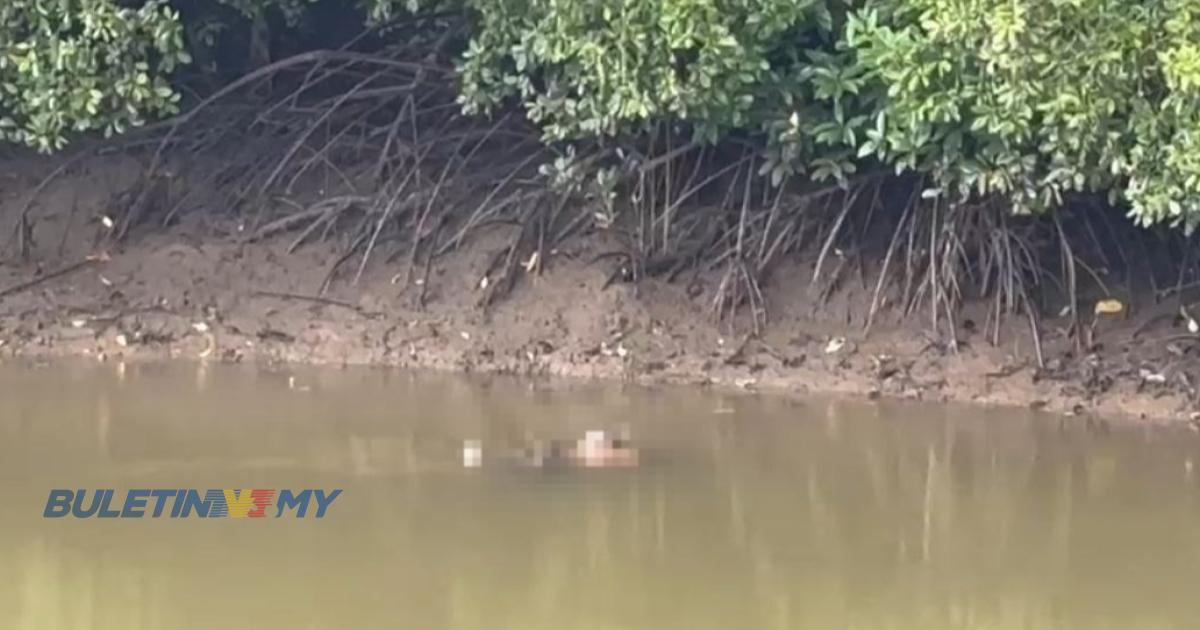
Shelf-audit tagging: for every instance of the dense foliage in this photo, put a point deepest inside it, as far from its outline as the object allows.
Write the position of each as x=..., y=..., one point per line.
x=72, y=66
x=1032, y=100
x=1036, y=99
x=771, y=68
x=84, y=65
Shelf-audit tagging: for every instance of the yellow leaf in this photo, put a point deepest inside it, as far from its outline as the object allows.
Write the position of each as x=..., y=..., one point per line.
x=1109, y=307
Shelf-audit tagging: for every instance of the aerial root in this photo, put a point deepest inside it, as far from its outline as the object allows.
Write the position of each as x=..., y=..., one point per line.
x=370, y=150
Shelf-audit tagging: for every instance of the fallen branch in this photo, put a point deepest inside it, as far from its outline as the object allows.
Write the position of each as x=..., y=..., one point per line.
x=25, y=286
x=309, y=298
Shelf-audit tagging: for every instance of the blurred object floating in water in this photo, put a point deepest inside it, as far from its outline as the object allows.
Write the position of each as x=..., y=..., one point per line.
x=591, y=448
x=552, y=454
x=472, y=454
x=596, y=449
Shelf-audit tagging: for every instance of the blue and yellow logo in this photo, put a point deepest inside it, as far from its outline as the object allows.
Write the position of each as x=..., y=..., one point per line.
x=190, y=503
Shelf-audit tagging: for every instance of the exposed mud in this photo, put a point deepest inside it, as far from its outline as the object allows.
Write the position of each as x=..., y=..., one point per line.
x=191, y=291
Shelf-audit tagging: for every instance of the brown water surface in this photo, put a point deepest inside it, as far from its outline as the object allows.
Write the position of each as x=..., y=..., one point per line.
x=746, y=512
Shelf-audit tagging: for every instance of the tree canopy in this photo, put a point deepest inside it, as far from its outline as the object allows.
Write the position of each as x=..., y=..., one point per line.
x=1029, y=100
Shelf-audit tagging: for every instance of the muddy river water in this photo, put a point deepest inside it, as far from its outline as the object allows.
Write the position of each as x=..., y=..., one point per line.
x=744, y=511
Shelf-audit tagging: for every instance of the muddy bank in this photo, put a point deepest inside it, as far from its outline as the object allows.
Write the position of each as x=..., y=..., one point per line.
x=177, y=295
x=195, y=291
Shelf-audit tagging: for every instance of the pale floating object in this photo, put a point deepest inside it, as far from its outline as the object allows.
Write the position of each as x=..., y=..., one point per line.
x=78, y=323
x=105, y=281
x=835, y=345
x=1109, y=307
x=472, y=454
x=106, y=221
x=592, y=449
x=621, y=351
x=483, y=282
x=465, y=335
x=122, y=340
x=200, y=327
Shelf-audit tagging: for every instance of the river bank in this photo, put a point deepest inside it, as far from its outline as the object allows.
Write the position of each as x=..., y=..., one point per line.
x=193, y=291
x=172, y=296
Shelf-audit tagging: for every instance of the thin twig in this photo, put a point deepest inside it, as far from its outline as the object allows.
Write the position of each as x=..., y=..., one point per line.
x=25, y=286
x=308, y=298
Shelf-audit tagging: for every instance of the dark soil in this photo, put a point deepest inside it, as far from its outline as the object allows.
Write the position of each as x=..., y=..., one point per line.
x=191, y=291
